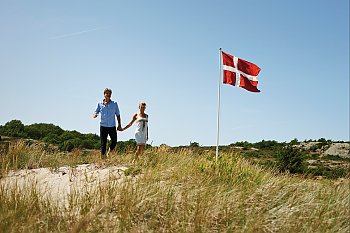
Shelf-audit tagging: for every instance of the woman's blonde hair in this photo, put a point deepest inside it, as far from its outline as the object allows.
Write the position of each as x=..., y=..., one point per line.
x=142, y=104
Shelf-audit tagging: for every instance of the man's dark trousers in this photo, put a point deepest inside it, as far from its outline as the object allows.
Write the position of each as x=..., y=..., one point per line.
x=104, y=132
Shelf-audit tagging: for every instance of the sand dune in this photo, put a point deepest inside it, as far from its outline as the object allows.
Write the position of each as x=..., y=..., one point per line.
x=58, y=184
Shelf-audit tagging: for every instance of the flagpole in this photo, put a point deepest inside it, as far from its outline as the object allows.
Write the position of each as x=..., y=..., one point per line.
x=218, y=120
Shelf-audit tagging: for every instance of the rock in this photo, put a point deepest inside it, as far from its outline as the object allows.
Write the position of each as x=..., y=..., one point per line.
x=339, y=149
x=307, y=145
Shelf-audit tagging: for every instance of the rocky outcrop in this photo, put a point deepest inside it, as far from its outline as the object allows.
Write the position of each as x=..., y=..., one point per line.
x=338, y=149
x=341, y=149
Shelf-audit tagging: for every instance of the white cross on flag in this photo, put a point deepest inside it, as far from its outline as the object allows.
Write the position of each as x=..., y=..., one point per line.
x=241, y=73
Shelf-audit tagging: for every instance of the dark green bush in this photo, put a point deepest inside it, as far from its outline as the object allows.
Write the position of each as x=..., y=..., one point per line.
x=291, y=159
x=14, y=128
x=267, y=145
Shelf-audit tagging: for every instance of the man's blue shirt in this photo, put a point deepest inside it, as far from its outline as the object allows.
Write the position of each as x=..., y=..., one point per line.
x=108, y=113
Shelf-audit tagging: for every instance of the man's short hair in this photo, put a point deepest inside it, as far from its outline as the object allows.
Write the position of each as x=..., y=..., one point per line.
x=107, y=90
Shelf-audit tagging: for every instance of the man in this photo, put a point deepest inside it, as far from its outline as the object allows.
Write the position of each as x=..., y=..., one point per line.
x=108, y=109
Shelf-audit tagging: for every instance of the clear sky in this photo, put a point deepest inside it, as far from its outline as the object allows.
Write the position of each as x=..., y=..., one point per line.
x=57, y=57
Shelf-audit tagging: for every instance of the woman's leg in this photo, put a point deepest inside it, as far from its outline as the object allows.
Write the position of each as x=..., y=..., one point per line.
x=138, y=152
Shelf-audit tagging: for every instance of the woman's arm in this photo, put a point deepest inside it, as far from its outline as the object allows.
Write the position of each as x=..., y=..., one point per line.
x=131, y=122
x=147, y=129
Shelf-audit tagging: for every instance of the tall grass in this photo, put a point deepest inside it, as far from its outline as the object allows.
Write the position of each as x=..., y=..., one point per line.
x=21, y=155
x=184, y=192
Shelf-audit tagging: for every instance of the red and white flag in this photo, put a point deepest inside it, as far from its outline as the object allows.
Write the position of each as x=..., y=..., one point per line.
x=239, y=72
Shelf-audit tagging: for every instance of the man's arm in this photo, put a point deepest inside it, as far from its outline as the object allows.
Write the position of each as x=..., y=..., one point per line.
x=119, y=123
x=117, y=113
x=95, y=114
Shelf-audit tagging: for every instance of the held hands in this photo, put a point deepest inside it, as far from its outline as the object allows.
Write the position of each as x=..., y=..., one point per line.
x=120, y=128
x=126, y=127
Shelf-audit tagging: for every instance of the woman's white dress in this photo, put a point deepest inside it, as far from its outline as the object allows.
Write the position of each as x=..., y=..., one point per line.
x=141, y=129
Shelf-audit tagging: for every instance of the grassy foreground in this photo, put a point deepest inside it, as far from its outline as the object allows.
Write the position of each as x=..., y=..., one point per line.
x=175, y=192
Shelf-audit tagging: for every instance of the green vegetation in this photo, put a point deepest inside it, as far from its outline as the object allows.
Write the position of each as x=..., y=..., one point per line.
x=65, y=140
x=49, y=133
x=174, y=190
x=291, y=159
x=284, y=156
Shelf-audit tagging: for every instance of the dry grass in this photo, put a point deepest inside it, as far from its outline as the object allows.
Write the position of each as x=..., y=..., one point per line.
x=182, y=192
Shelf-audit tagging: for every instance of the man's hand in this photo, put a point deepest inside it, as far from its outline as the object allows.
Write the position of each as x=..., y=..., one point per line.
x=94, y=115
x=120, y=128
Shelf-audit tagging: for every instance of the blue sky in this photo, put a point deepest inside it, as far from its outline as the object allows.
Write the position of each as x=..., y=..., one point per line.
x=57, y=57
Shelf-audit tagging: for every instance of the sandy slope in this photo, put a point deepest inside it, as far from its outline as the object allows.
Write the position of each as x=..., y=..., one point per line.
x=59, y=184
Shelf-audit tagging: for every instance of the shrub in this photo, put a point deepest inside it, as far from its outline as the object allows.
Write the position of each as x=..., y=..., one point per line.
x=266, y=145
x=194, y=144
x=290, y=159
x=14, y=128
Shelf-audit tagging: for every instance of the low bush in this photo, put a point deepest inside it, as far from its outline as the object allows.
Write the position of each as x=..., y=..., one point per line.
x=291, y=159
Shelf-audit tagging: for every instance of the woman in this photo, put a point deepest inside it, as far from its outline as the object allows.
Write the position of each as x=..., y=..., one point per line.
x=141, y=132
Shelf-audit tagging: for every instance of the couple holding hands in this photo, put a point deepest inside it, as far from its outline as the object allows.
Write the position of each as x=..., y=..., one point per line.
x=109, y=110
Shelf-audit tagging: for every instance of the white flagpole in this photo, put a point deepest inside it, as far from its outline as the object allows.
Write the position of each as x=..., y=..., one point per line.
x=218, y=120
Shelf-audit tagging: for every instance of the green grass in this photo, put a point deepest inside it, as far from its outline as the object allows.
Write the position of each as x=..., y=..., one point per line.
x=176, y=192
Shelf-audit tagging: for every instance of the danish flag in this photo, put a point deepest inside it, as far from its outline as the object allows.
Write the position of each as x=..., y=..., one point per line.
x=241, y=73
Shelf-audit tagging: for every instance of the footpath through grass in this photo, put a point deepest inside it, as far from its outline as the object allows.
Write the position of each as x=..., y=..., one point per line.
x=179, y=192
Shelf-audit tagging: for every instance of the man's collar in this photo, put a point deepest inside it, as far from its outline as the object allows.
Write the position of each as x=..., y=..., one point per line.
x=104, y=101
